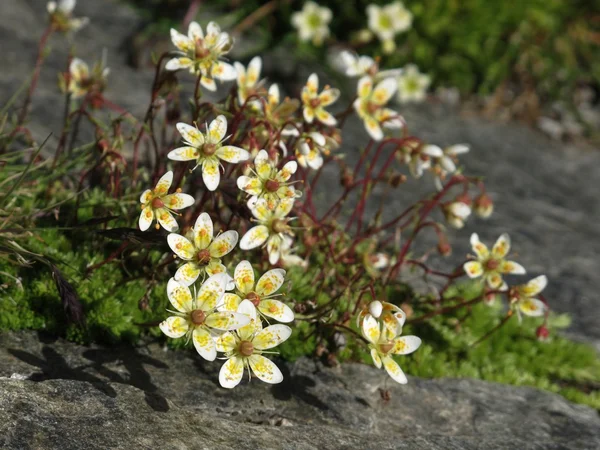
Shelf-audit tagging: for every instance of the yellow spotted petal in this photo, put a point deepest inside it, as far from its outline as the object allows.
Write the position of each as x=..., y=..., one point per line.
x=204, y=343
x=163, y=185
x=254, y=68
x=231, y=373
x=174, y=327
x=376, y=358
x=325, y=117
x=271, y=336
x=178, y=201
x=254, y=237
x=262, y=164
x=210, y=173
x=244, y=277
x=211, y=291
x=146, y=218
x=217, y=129
x=270, y=282
x=276, y=310
x=181, y=41
x=229, y=302
x=284, y=207
x=166, y=219
x=329, y=96
x=274, y=248
x=384, y=91
x=394, y=370
x=223, y=244
x=494, y=280
x=232, y=154
x=195, y=32
x=502, y=246
x=250, y=185
x=226, y=342
x=405, y=345
x=178, y=63
x=265, y=369
x=480, y=249
x=511, y=267
x=203, y=231
x=184, y=154
x=190, y=134
x=188, y=273
x=532, y=307
x=181, y=246
x=180, y=296
x=309, y=114
x=473, y=269
x=312, y=84
x=287, y=171
x=146, y=196
x=215, y=267
x=227, y=320
x=534, y=286
x=370, y=329
x=365, y=86
x=254, y=326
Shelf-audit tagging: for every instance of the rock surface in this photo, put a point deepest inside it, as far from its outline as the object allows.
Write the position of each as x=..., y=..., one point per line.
x=64, y=396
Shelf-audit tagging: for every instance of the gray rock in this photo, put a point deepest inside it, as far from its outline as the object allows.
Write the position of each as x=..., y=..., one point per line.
x=79, y=397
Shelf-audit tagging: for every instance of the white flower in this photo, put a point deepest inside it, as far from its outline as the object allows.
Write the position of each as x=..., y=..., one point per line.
x=383, y=347
x=80, y=81
x=248, y=81
x=522, y=297
x=207, y=149
x=269, y=183
x=370, y=106
x=244, y=347
x=492, y=265
x=315, y=103
x=278, y=112
x=446, y=163
x=312, y=22
x=390, y=315
x=196, y=316
x=288, y=258
x=387, y=21
x=271, y=229
x=201, y=252
x=61, y=16
x=412, y=85
x=456, y=214
x=157, y=204
x=353, y=65
x=419, y=157
x=259, y=293
x=201, y=54
x=311, y=147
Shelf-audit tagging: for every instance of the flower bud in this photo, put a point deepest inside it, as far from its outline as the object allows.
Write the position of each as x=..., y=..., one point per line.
x=542, y=333
x=375, y=308
x=444, y=248
x=484, y=205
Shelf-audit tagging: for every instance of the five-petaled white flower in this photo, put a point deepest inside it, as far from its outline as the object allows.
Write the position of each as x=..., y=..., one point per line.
x=158, y=204
x=315, y=103
x=370, y=106
x=201, y=54
x=201, y=252
x=387, y=21
x=522, y=297
x=244, y=347
x=207, y=149
x=390, y=315
x=248, y=81
x=61, y=16
x=311, y=147
x=492, y=265
x=271, y=229
x=383, y=347
x=269, y=182
x=197, y=316
x=418, y=157
x=412, y=84
x=312, y=22
x=456, y=214
x=446, y=163
x=260, y=294
x=80, y=81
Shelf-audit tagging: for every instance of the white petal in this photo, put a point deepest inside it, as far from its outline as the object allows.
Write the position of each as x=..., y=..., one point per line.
x=276, y=310
x=184, y=154
x=394, y=370
x=231, y=372
x=204, y=343
x=174, y=326
x=265, y=369
x=180, y=296
x=223, y=244
x=244, y=277
x=190, y=134
x=210, y=174
x=254, y=237
x=271, y=336
x=405, y=345
x=211, y=291
x=232, y=154
x=370, y=329
x=181, y=246
x=166, y=220
x=502, y=246
x=270, y=282
x=146, y=218
x=203, y=231
x=217, y=129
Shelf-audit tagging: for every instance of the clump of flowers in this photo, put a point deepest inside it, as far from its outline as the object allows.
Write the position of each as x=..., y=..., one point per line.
x=312, y=23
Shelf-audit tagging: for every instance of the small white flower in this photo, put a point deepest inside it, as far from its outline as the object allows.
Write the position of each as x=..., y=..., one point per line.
x=259, y=293
x=248, y=81
x=456, y=214
x=353, y=65
x=446, y=163
x=201, y=252
x=311, y=147
x=390, y=315
x=522, y=297
x=61, y=16
x=278, y=113
x=387, y=21
x=383, y=346
x=196, y=317
x=207, y=149
x=412, y=85
x=271, y=229
x=201, y=54
x=492, y=265
x=158, y=204
x=244, y=347
x=419, y=158
x=315, y=103
x=80, y=81
x=312, y=22
x=269, y=182
x=370, y=106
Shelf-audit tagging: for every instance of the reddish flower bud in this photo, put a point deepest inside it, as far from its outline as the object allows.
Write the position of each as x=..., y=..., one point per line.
x=444, y=247
x=542, y=333
x=484, y=205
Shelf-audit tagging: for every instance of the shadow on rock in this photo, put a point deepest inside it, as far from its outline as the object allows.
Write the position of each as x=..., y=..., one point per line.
x=297, y=386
